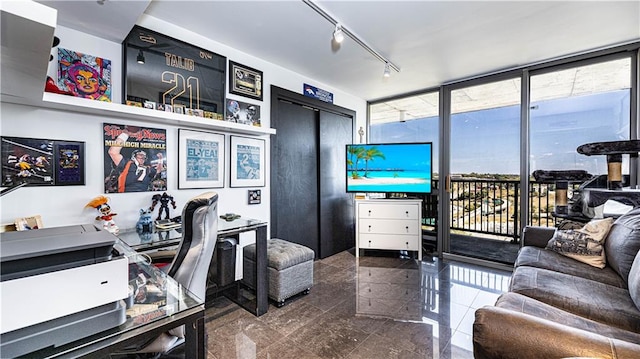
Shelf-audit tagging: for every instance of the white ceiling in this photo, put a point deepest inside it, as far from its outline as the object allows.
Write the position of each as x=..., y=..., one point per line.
x=433, y=42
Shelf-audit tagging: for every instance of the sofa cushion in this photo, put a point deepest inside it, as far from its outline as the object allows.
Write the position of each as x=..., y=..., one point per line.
x=520, y=303
x=623, y=242
x=542, y=258
x=503, y=333
x=590, y=299
x=634, y=281
x=584, y=244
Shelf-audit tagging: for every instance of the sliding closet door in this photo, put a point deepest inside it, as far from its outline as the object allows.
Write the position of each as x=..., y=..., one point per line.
x=294, y=183
x=336, y=205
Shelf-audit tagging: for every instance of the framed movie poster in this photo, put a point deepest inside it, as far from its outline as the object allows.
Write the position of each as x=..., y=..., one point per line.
x=200, y=159
x=135, y=158
x=173, y=74
x=247, y=162
x=42, y=162
x=245, y=81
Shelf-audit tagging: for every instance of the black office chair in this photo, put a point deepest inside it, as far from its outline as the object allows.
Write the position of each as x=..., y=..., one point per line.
x=190, y=266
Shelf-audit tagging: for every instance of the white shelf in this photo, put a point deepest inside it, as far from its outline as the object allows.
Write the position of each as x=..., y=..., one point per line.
x=76, y=104
x=26, y=45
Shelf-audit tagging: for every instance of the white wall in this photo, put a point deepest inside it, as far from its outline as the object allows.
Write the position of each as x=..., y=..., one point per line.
x=64, y=205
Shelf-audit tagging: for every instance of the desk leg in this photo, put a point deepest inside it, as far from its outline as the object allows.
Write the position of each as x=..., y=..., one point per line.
x=194, y=346
x=262, y=281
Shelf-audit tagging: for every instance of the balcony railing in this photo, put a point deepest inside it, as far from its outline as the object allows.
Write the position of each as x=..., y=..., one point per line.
x=492, y=207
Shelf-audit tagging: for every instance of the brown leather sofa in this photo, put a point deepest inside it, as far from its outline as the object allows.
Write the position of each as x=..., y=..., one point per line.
x=558, y=307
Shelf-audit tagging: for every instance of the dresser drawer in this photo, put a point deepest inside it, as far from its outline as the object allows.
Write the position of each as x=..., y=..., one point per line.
x=386, y=241
x=388, y=211
x=389, y=226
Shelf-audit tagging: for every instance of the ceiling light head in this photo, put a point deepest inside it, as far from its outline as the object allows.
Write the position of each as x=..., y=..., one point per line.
x=387, y=70
x=140, y=58
x=338, y=35
x=100, y=2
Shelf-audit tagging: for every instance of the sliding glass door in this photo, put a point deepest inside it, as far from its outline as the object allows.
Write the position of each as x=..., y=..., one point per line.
x=484, y=160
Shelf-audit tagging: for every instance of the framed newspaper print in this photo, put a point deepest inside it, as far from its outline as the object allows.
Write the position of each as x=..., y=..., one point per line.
x=245, y=81
x=247, y=162
x=200, y=159
x=166, y=73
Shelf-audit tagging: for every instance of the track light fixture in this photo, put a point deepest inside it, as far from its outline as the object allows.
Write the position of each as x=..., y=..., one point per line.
x=338, y=36
x=140, y=58
x=340, y=31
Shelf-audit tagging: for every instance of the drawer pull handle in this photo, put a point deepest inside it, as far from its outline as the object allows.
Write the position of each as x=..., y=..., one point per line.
x=407, y=213
x=407, y=228
x=369, y=230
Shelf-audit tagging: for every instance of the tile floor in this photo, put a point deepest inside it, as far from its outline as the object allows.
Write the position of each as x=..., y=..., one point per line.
x=367, y=307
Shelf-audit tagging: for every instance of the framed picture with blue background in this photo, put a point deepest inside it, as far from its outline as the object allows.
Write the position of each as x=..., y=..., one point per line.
x=201, y=159
x=247, y=162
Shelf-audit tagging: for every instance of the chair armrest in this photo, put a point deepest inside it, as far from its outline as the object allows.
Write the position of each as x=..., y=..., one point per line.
x=162, y=256
x=537, y=236
x=502, y=333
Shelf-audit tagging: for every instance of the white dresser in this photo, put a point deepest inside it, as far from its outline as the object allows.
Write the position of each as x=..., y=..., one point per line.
x=391, y=224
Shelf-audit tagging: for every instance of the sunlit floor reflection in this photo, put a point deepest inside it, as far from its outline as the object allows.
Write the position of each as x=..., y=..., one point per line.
x=366, y=307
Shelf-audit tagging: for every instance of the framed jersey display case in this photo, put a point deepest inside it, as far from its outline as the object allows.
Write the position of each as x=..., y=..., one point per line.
x=171, y=74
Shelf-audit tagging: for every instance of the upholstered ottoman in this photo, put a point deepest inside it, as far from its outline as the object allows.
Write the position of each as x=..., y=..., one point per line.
x=289, y=268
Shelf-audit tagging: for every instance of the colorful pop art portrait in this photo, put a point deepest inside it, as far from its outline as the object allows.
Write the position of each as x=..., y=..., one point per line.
x=84, y=76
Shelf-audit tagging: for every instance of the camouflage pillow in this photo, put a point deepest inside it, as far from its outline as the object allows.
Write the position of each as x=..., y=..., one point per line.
x=585, y=244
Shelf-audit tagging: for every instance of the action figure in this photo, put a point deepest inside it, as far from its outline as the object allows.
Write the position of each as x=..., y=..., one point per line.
x=164, y=200
x=145, y=224
x=100, y=203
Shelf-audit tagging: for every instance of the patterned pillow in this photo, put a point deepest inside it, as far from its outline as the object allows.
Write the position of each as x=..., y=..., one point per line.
x=584, y=244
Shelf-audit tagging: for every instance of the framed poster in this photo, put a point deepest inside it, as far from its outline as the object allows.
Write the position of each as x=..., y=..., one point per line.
x=83, y=75
x=200, y=159
x=42, y=162
x=247, y=162
x=245, y=81
x=242, y=112
x=135, y=158
x=173, y=74
x=69, y=164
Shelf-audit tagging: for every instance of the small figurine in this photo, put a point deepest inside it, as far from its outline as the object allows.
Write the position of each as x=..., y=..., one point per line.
x=100, y=203
x=145, y=223
x=164, y=200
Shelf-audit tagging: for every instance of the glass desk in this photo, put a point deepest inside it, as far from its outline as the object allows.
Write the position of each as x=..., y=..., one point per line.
x=161, y=304
x=255, y=302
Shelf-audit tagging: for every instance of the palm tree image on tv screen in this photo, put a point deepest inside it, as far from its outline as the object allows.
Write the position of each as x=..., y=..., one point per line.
x=389, y=168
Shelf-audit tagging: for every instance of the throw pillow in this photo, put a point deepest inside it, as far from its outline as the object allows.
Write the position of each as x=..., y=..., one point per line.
x=623, y=242
x=634, y=281
x=584, y=244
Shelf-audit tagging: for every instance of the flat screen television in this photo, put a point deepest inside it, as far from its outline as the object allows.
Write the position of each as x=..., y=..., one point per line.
x=389, y=167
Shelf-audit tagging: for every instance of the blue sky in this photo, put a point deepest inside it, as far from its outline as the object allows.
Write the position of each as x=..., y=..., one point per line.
x=488, y=141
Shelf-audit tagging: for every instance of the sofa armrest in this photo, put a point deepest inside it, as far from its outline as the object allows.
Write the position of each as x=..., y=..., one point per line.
x=537, y=236
x=502, y=333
